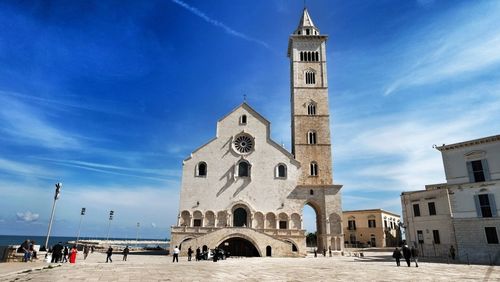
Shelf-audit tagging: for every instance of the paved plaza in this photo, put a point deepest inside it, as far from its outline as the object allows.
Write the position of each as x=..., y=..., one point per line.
x=372, y=267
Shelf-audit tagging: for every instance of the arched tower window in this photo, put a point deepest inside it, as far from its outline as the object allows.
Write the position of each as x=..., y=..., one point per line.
x=311, y=137
x=201, y=169
x=301, y=56
x=313, y=169
x=309, y=58
x=281, y=171
x=310, y=77
x=317, y=56
x=307, y=31
x=311, y=109
x=243, y=169
x=243, y=119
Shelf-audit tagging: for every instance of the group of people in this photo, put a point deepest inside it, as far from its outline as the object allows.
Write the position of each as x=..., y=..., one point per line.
x=407, y=254
x=61, y=253
x=109, y=253
x=28, y=248
x=324, y=252
x=217, y=254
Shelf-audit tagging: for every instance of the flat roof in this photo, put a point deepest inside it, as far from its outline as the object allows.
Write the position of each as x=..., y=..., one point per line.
x=372, y=210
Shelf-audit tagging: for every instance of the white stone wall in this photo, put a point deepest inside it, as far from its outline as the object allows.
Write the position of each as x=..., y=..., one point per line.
x=220, y=190
x=455, y=160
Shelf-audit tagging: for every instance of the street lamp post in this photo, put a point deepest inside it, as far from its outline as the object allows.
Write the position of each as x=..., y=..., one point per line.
x=137, y=235
x=111, y=214
x=56, y=196
x=82, y=213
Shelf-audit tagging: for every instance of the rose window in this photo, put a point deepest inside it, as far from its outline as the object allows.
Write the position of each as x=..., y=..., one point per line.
x=243, y=144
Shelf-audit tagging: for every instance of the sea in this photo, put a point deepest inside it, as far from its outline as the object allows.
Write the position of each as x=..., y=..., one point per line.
x=6, y=240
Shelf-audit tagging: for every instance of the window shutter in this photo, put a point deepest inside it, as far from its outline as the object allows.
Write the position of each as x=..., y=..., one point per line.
x=486, y=170
x=471, y=172
x=493, y=205
x=478, y=207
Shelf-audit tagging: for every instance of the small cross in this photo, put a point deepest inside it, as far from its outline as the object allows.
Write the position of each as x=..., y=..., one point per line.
x=244, y=97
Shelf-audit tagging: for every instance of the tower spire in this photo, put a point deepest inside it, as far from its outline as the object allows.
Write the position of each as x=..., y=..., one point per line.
x=306, y=24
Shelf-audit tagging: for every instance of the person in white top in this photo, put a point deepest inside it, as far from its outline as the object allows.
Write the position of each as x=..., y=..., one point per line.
x=176, y=254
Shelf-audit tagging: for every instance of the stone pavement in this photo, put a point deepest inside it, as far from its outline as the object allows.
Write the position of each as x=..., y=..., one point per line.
x=373, y=267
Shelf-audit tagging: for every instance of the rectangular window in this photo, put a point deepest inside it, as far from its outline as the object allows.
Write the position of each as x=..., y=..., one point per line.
x=435, y=234
x=197, y=222
x=477, y=171
x=385, y=224
x=491, y=235
x=351, y=225
x=282, y=224
x=416, y=210
x=420, y=236
x=484, y=205
x=432, y=208
x=371, y=223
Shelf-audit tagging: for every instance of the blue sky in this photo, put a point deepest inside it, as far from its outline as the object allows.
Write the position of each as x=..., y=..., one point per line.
x=108, y=97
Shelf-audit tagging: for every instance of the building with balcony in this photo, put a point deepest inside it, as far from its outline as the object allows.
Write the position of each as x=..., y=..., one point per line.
x=371, y=228
x=463, y=212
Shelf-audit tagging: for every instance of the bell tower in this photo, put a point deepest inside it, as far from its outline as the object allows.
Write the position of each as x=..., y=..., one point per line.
x=311, y=143
x=309, y=101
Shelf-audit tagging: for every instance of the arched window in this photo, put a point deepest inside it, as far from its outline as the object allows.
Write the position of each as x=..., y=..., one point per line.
x=311, y=137
x=309, y=56
x=307, y=31
x=317, y=57
x=201, y=169
x=313, y=169
x=301, y=56
x=310, y=77
x=311, y=109
x=281, y=171
x=243, y=169
x=243, y=119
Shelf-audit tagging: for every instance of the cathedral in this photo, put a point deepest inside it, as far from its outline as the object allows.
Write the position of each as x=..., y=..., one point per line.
x=244, y=193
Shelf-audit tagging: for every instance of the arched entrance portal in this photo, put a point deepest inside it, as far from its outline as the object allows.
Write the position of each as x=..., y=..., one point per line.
x=240, y=217
x=312, y=224
x=239, y=247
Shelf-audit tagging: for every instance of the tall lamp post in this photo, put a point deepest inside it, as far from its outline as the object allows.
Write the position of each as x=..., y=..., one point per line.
x=82, y=213
x=137, y=235
x=56, y=197
x=111, y=214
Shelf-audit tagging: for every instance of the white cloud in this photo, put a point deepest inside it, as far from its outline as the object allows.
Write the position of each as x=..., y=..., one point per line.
x=217, y=23
x=27, y=216
x=457, y=46
x=24, y=124
x=20, y=168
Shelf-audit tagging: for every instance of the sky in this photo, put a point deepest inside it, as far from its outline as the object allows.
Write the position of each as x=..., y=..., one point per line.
x=108, y=98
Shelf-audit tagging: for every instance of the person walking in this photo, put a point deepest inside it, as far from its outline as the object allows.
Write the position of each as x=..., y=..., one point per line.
x=397, y=255
x=109, y=253
x=324, y=252
x=452, y=252
x=414, y=255
x=198, y=254
x=176, y=254
x=407, y=254
x=315, y=252
x=65, y=254
x=330, y=250
x=190, y=253
x=72, y=256
x=57, y=252
x=125, y=253
x=85, y=252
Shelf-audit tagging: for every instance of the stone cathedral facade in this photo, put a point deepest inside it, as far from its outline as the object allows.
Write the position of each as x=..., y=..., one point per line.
x=245, y=193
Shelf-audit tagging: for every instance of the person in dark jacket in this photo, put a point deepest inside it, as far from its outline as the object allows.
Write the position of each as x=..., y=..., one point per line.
x=65, y=254
x=407, y=254
x=198, y=254
x=57, y=252
x=397, y=255
x=109, y=253
x=190, y=253
x=125, y=253
x=414, y=255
